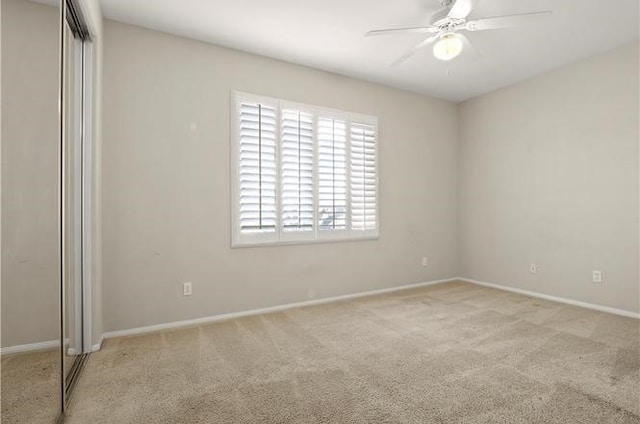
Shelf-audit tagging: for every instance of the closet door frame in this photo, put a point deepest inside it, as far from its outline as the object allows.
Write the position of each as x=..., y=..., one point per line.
x=81, y=47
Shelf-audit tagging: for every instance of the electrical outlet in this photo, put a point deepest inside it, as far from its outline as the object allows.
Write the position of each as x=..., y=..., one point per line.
x=533, y=268
x=425, y=261
x=186, y=289
x=597, y=276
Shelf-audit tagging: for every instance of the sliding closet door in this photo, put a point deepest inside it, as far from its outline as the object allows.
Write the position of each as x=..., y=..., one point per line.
x=72, y=201
x=30, y=282
x=75, y=187
x=45, y=190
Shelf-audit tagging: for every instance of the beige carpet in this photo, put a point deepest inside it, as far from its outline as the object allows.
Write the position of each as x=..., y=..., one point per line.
x=451, y=353
x=30, y=387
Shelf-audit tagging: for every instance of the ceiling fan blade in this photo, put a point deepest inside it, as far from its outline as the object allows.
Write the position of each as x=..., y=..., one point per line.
x=408, y=30
x=413, y=51
x=505, y=21
x=461, y=9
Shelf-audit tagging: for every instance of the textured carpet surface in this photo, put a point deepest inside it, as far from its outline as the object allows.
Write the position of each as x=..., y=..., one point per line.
x=30, y=387
x=450, y=353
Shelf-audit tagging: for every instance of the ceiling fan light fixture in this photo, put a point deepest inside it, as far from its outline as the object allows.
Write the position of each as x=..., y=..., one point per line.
x=448, y=46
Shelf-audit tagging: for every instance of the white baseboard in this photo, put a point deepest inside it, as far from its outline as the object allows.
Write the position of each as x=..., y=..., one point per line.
x=96, y=347
x=573, y=302
x=30, y=347
x=223, y=317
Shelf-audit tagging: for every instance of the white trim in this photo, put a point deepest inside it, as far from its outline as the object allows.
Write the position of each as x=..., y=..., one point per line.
x=96, y=347
x=87, y=196
x=271, y=309
x=573, y=302
x=30, y=347
x=75, y=309
x=232, y=315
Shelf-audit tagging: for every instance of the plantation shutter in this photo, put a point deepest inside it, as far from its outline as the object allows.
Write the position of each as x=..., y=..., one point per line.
x=297, y=171
x=332, y=174
x=257, y=167
x=301, y=173
x=363, y=177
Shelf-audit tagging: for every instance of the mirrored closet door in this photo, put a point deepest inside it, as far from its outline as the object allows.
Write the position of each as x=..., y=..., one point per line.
x=46, y=207
x=30, y=285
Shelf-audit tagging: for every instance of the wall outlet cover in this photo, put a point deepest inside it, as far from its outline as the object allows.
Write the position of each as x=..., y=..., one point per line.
x=596, y=276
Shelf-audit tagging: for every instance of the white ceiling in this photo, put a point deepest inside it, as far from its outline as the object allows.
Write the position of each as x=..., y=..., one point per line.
x=328, y=35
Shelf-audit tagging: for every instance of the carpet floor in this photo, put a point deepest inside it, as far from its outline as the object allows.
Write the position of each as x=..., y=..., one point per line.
x=449, y=353
x=30, y=387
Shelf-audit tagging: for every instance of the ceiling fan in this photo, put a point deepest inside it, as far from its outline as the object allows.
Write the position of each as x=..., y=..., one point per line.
x=447, y=26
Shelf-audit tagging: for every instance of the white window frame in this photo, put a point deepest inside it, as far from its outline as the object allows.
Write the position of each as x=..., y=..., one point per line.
x=280, y=236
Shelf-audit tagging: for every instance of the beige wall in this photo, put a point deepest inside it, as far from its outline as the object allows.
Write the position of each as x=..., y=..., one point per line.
x=30, y=289
x=549, y=174
x=166, y=210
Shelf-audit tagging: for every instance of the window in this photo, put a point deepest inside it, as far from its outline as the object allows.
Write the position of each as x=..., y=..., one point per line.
x=301, y=173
